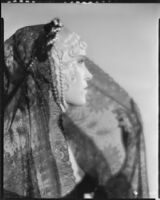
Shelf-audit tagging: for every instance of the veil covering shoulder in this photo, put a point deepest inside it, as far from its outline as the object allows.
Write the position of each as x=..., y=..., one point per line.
x=105, y=135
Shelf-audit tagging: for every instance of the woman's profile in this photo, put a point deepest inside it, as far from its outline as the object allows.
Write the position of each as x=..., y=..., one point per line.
x=63, y=112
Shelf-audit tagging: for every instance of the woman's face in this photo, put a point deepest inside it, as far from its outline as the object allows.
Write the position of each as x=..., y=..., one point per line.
x=76, y=85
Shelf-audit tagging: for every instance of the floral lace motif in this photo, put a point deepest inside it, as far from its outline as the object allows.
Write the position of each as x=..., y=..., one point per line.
x=106, y=135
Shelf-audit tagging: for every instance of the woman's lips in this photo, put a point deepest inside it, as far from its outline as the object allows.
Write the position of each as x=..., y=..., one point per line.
x=86, y=87
x=85, y=90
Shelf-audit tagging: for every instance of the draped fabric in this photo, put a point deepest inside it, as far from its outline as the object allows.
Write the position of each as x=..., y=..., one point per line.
x=105, y=135
x=107, y=138
x=36, y=158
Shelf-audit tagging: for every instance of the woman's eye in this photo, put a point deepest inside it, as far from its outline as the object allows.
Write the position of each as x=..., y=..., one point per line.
x=81, y=61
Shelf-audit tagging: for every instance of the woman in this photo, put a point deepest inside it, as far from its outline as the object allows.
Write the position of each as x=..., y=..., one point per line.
x=50, y=111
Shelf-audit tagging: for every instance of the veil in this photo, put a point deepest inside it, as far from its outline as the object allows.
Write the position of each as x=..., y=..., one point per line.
x=105, y=135
x=107, y=138
x=36, y=158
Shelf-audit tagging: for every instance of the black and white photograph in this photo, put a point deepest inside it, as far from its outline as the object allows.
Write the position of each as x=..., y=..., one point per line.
x=80, y=100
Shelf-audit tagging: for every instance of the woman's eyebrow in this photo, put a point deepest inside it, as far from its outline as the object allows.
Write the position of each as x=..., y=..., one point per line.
x=81, y=58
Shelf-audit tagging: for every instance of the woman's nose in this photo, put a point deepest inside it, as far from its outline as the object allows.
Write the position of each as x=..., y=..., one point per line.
x=88, y=75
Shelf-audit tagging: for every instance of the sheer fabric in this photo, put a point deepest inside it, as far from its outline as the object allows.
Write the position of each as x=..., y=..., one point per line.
x=106, y=134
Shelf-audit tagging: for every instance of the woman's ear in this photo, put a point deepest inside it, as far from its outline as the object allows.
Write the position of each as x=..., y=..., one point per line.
x=73, y=79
